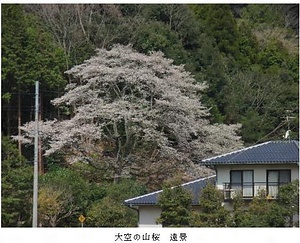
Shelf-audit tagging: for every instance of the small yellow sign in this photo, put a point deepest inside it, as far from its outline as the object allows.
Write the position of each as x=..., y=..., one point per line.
x=81, y=218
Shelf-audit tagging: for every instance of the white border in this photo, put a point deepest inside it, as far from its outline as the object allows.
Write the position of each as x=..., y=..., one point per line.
x=109, y=235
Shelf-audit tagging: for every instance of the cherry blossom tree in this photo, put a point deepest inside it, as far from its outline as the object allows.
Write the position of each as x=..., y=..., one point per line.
x=135, y=115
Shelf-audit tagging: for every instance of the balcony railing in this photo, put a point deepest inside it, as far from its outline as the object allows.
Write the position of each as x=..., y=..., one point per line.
x=250, y=190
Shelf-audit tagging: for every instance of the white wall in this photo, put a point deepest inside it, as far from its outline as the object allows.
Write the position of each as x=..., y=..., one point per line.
x=260, y=172
x=148, y=216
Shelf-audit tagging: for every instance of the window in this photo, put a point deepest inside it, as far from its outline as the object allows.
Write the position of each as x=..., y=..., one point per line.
x=242, y=181
x=276, y=178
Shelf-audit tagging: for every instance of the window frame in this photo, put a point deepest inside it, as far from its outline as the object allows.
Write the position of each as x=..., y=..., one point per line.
x=242, y=181
x=278, y=178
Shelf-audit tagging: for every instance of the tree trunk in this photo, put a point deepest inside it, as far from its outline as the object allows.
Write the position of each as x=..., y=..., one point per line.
x=8, y=119
x=19, y=121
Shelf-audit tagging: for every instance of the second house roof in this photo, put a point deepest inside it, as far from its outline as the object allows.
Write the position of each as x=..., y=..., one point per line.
x=152, y=198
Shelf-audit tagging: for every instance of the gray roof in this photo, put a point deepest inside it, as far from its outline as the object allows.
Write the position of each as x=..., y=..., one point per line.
x=152, y=198
x=272, y=152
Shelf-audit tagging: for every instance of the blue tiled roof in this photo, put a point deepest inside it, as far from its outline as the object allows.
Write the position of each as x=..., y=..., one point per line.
x=272, y=152
x=152, y=198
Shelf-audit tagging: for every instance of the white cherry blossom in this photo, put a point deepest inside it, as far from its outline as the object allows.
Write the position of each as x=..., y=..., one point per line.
x=134, y=114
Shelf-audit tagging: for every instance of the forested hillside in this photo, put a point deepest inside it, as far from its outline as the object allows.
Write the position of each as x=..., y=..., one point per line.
x=132, y=95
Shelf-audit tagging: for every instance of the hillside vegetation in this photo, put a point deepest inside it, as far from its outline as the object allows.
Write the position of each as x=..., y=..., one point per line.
x=132, y=95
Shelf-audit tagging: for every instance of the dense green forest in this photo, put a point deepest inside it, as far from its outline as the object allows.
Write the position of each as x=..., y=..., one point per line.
x=247, y=57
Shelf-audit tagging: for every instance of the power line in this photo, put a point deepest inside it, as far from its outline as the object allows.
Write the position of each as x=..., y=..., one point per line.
x=15, y=93
x=50, y=91
x=274, y=130
x=29, y=93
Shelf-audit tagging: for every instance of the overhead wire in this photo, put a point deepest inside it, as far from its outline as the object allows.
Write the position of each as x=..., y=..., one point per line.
x=274, y=130
x=30, y=108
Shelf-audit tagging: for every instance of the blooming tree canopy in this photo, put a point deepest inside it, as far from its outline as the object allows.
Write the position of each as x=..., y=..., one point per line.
x=134, y=115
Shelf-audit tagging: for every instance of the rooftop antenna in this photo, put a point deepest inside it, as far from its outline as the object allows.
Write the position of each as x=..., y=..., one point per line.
x=287, y=134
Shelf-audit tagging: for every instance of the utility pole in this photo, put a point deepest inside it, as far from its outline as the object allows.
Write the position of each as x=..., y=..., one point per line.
x=41, y=166
x=36, y=148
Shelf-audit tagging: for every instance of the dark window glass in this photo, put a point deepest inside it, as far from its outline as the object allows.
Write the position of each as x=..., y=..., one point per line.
x=275, y=178
x=241, y=181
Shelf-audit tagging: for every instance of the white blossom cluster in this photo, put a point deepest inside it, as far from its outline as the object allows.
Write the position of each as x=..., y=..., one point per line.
x=143, y=106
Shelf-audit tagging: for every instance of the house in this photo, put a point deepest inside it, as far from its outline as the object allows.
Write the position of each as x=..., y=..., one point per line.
x=248, y=171
x=265, y=166
x=148, y=208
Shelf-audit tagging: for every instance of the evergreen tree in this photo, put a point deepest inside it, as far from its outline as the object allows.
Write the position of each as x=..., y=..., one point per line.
x=63, y=194
x=239, y=211
x=288, y=198
x=109, y=211
x=16, y=187
x=28, y=55
x=262, y=212
x=212, y=212
x=175, y=204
